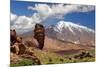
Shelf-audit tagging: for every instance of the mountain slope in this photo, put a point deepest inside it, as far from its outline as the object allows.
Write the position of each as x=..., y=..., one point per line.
x=68, y=31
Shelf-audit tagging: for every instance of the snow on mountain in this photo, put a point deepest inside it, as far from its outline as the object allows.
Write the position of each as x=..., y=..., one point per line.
x=69, y=25
x=68, y=31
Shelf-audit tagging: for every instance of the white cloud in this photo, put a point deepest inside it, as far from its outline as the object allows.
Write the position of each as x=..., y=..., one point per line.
x=85, y=8
x=44, y=11
x=13, y=17
x=24, y=23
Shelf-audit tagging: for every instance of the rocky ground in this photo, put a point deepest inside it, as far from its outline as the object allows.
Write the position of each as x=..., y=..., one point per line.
x=54, y=52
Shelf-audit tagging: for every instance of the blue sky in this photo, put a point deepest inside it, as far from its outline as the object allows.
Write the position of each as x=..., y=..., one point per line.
x=20, y=7
x=86, y=18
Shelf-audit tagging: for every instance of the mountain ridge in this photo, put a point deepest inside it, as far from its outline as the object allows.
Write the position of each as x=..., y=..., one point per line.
x=69, y=31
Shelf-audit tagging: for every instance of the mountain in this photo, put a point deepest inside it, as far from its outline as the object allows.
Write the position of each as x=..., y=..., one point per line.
x=68, y=31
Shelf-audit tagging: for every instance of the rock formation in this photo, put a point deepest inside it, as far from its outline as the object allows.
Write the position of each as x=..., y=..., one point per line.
x=39, y=35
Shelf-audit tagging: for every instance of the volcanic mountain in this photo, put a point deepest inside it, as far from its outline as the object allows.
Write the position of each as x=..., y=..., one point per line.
x=68, y=31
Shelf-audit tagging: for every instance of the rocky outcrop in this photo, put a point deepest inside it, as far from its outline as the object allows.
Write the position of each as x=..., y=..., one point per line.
x=13, y=36
x=22, y=50
x=39, y=35
x=83, y=55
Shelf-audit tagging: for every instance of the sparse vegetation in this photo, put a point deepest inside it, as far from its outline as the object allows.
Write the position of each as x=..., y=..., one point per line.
x=63, y=53
x=47, y=57
x=23, y=62
x=53, y=58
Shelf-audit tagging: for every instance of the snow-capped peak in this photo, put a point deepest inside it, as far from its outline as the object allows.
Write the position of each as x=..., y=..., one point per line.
x=69, y=25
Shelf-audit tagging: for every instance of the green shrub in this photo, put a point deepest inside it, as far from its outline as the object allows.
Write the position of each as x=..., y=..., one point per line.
x=24, y=62
x=12, y=65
